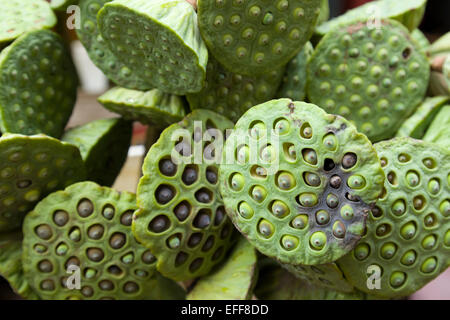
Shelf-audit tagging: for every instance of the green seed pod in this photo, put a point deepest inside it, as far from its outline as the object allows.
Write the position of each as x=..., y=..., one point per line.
x=301, y=198
x=406, y=235
x=178, y=195
x=161, y=46
x=38, y=85
x=107, y=268
x=364, y=77
x=438, y=132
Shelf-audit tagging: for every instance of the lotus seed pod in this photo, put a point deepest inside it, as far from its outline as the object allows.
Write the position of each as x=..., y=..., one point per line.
x=405, y=238
x=162, y=45
x=421, y=40
x=184, y=201
x=439, y=130
x=231, y=94
x=11, y=267
x=112, y=263
x=375, y=77
x=233, y=280
x=293, y=85
x=104, y=147
x=275, y=283
x=33, y=167
x=416, y=125
x=324, y=14
x=253, y=38
x=409, y=13
x=38, y=85
x=317, y=195
x=98, y=50
x=61, y=5
x=32, y=15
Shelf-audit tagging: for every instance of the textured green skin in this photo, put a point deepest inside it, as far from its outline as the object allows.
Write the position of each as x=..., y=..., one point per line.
x=376, y=107
x=162, y=45
x=409, y=13
x=99, y=51
x=61, y=5
x=151, y=107
x=32, y=15
x=421, y=40
x=149, y=207
x=277, y=284
x=104, y=147
x=11, y=265
x=38, y=85
x=416, y=125
x=231, y=94
x=294, y=81
x=250, y=63
x=59, y=166
x=355, y=270
x=68, y=200
x=439, y=130
x=233, y=280
x=348, y=140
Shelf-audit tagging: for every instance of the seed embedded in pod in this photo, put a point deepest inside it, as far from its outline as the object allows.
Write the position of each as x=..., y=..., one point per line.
x=311, y=179
x=203, y=219
x=45, y=266
x=397, y=279
x=412, y=178
x=128, y=258
x=398, y=207
x=349, y=160
x=434, y=186
x=182, y=210
x=309, y=156
x=339, y=230
x=167, y=167
x=300, y=221
x=96, y=231
x=429, y=242
x=117, y=240
x=356, y=181
x=330, y=141
x=60, y=218
x=95, y=254
x=388, y=250
x=306, y=131
x=108, y=212
x=430, y=220
x=265, y=228
x=195, y=239
x=159, y=224
x=189, y=176
x=258, y=130
x=292, y=152
x=307, y=199
x=131, y=287
x=408, y=231
x=280, y=209
x=237, y=182
x=268, y=154
x=127, y=218
x=164, y=194
x=447, y=238
x=383, y=230
x=75, y=234
x=347, y=212
x=243, y=154
x=429, y=265
x=335, y=181
x=419, y=202
x=444, y=208
x=362, y=251
x=62, y=249
x=286, y=181
x=332, y=201
x=47, y=285
x=174, y=241
x=322, y=217
x=203, y=195
x=289, y=242
x=408, y=258
x=318, y=240
x=259, y=194
x=211, y=176
x=282, y=127
x=106, y=285
x=220, y=215
x=209, y=243
x=44, y=231
x=85, y=208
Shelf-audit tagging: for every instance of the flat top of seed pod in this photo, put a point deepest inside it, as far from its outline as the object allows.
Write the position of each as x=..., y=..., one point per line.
x=11, y=267
x=150, y=107
x=410, y=13
x=298, y=182
x=231, y=94
x=104, y=147
x=99, y=51
x=162, y=44
x=277, y=284
x=375, y=77
x=416, y=125
x=439, y=130
x=293, y=85
x=181, y=216
x=234, y=279
x=254, y=37
x=20, y=16
x=38, y=85
x=31, y=168
x=408, y=232
x=87, y=228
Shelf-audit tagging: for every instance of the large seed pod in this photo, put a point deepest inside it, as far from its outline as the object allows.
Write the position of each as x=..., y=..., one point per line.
x=375, y=77
x=162, y=44
x=409, y=13
x=31, y=168
x=416, y=125
x=88, y=228
x=234, y=279
x=407, y=243
x=11, y=267
x=21, y=16
x=275, y=283
x=38, y=85
x=99, y=51
x=299, y=182
x=254, y=37
x=103, y=146
x=181, y=216
x=439, y=130
x=152, y=107
x=231, y=94
x=294, y=81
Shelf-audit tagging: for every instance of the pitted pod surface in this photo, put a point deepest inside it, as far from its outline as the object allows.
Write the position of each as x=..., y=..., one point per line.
x=89, y=227
x=298, y=182
x=374, y=77
x=162, y=44
x=253, y=36
x=31, y=167
x=181, y=216
x=408, y=232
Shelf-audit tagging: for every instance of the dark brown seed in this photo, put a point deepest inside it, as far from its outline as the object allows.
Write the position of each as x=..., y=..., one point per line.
x=115, y=270
x=167, y=167
x=130, y=287
x=148, y=257
x=95, y=254
x=181, y=258
x=208, y=244
x=87, y=291
x=96, y=231
x=349, y=160
x=106, y=285
x=203, y=195
x=202, y=220
x=335, y=181
x=164, y=194
x=189, y=175
x=85, y=208
x=117, y=240
x=195, y=239
x=159, y=224
x=60, y=218
x=196, y=264
x=45, y=266
x=44, y=231
x=182, y=210
x=48, y=285
x=127, y=218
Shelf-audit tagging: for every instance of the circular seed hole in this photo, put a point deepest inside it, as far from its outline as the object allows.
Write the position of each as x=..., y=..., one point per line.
x=159, y=224
x=164, y=193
